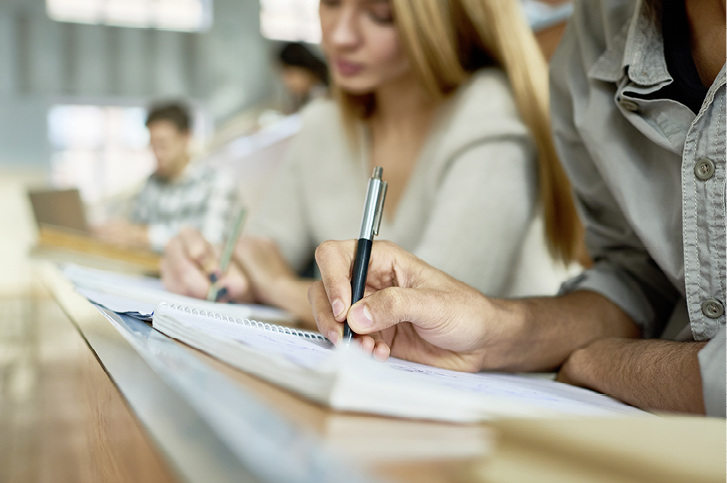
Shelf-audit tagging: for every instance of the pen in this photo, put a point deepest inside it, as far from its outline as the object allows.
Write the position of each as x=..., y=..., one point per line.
x=227, y=252
x=370, y=223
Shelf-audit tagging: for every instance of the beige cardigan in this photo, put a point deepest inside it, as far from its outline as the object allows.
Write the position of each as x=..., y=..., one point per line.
x=469, y=208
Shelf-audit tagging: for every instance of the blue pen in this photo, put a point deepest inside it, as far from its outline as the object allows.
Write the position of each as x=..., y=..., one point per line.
x=370, y=223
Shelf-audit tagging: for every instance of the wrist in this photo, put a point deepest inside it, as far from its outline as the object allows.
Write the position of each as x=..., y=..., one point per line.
x=273, y=290
x=505, y=346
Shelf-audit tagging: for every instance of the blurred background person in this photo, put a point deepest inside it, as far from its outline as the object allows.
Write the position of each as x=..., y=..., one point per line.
x=77, y=77
x=178, y=193
x=303, y=74
x=457, y=117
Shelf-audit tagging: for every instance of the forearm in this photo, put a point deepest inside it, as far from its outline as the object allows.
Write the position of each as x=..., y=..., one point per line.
x=291, y=295
x=543, y=332
x=652, y=374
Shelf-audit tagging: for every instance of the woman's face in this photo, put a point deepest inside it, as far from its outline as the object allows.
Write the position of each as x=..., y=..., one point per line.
x=362, y=44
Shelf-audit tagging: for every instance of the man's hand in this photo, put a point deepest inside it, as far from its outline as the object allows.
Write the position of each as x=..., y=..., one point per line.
x=653, y=374
x=411, y=310
x=415, y=312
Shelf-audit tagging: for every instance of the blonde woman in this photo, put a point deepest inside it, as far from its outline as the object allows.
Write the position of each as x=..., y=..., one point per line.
x=450, y=98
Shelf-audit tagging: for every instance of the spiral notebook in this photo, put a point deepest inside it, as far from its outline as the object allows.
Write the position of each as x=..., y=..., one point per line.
x=138, y=296
x=346, y=379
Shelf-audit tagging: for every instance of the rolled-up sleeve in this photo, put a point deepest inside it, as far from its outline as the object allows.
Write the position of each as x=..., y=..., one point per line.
x=713, y=366
x=623, y=271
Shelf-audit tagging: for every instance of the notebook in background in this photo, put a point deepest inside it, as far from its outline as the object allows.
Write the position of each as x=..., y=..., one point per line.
x=346, y=379
x=60, y=208
x=138, y=296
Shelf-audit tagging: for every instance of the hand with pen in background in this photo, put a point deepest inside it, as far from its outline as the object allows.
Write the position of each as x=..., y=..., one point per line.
x=257, y=272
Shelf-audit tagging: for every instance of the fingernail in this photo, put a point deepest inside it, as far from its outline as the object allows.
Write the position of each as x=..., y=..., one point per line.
x=213, y=277
x=361, y=316
x=337, y=307
x=334, y=337
x=221, y=293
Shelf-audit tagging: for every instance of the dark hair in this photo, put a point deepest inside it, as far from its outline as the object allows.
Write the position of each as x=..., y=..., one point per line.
x=295, y=54
x=176, y=113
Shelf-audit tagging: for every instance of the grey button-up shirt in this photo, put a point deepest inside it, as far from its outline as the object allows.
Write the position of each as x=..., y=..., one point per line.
x=649, y=178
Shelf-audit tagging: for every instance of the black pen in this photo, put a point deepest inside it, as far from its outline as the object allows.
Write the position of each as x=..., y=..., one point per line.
x=370, y=223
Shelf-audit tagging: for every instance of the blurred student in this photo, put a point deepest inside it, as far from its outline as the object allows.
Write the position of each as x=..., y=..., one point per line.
x=456, y=114
x=179, y=193
x=638, y=109
x=304, y=75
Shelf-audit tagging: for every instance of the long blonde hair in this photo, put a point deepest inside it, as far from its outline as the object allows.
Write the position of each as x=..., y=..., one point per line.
x=446, y=41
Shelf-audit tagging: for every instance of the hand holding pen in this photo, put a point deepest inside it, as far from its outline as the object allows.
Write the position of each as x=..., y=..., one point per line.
x=370, y=224
x=213, y=294
x=192, y=266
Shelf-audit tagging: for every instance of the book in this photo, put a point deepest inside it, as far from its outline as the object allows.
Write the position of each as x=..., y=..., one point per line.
x=346, y=379
x=138, y=296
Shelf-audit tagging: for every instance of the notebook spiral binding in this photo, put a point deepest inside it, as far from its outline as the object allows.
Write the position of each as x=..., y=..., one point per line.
x=247, y=322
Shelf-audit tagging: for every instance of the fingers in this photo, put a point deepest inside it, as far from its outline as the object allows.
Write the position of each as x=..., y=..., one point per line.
x=200, y=251
x=181, y=275
x=334, y=259
x=389, y=266
x=325, y=319
x=333, y=330
x=393, y=305
x=237, y=285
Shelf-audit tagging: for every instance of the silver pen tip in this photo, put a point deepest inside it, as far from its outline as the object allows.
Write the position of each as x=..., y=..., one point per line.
x=378, y=171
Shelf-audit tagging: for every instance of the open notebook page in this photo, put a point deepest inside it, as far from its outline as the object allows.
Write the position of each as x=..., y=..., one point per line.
x=350, y=380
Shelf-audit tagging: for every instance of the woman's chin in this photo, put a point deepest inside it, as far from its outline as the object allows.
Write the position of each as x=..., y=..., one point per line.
x=354, y=88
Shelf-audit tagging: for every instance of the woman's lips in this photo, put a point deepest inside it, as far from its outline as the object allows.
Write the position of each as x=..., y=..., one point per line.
x=347, y=69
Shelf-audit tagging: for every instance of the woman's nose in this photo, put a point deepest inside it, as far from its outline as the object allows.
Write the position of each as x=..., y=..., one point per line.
x=344, y=29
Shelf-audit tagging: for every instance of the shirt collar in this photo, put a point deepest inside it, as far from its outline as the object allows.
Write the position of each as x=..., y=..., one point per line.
x=636, y=51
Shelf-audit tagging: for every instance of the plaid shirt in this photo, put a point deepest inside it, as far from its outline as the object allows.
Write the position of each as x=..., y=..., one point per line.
x=201, y=198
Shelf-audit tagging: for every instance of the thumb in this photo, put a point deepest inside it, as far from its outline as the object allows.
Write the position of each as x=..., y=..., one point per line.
x=388, y=307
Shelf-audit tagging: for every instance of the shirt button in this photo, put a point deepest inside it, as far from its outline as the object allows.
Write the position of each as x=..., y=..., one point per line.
x=704, y=169
x=629, y=105
x=712, y=308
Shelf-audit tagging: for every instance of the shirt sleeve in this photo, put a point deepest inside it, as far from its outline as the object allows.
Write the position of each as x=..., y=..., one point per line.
x=483, y=207
x=623, y=270
x=712, y=367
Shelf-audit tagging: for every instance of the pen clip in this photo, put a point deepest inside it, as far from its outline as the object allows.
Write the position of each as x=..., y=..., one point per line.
x=380, y=207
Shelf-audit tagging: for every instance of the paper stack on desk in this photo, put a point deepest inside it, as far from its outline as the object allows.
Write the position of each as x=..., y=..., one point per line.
x=346, y=379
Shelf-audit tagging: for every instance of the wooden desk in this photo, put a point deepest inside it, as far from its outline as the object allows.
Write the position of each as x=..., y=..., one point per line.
x=58, y=244
x=63, y=419
x=80, y=401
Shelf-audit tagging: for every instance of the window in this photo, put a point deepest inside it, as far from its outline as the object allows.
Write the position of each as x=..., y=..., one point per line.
x=101, y=150
x=297, y=20
x=185, y=15
x=104, y=150
x=290, y=20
